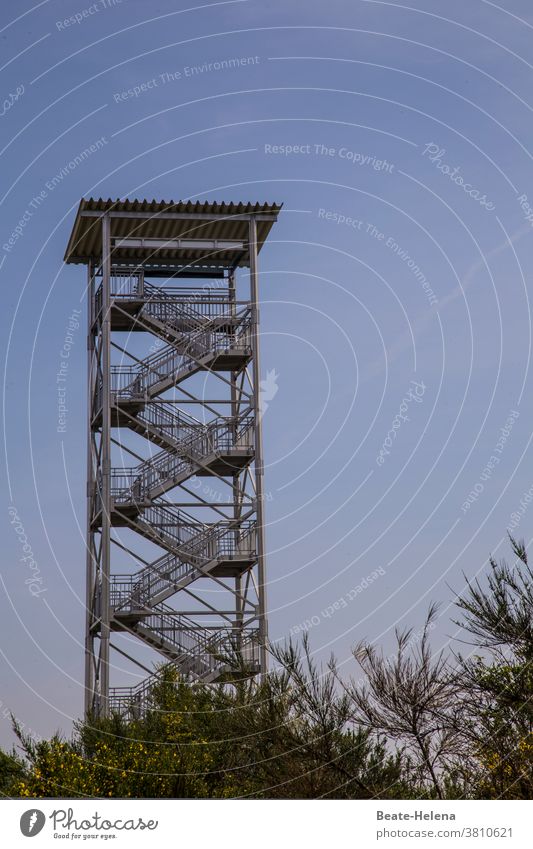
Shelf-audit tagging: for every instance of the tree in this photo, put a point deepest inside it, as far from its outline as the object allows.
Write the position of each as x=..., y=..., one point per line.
x=305, y=743
x=284, y=737
x=410, y=699
x=418, y=724
x=11, y=770
x=159, y=756
x=498, y=683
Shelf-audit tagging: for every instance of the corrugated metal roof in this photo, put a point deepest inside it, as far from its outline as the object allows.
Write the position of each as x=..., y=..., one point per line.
x=144, y=219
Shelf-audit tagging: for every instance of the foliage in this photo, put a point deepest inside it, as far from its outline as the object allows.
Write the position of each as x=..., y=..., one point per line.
x=12, y=769
x=411, y=699
x=498, y=683
x=417, y=724
x=253, y=739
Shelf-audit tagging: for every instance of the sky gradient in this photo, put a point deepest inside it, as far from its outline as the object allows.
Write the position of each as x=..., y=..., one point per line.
x=395, y=293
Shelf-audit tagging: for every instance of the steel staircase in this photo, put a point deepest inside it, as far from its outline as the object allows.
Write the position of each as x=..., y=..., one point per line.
x=208, y=333
x=178, y=638
x=165, y=312
x=193, y=547
x=198, y=654
x=172, y=319
x=173, y=635
x=200, y=334
x=201, y=350
x=219, y=442
x=222, y=545
x=160, y=423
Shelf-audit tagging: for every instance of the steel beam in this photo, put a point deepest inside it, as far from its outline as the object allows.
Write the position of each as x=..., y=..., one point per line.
x=177, y=216
x=259, y=463
x=179, y=244
x=105, y=469
x=90, y=564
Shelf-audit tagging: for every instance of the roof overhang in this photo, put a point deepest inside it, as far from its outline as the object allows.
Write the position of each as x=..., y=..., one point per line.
x=182, y=235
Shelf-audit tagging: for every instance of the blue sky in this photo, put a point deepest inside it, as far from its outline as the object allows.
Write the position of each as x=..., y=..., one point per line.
x=398, y=139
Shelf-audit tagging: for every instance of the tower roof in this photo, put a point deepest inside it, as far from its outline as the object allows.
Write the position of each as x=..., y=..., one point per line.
x=184, y=233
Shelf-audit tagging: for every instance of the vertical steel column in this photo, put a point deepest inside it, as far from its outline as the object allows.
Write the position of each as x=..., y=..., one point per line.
x=259, y=464
x=106, y=468
x=90, y=566
x=235, y=409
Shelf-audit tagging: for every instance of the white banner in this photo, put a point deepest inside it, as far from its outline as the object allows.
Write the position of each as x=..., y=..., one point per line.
x=228, y=824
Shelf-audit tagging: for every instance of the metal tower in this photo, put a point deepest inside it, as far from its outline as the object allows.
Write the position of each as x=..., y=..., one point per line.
x=175, y=500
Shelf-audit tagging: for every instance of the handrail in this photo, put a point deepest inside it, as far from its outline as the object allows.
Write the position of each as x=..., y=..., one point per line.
x=222, y=540
x=222, y=435
x=133, y=382
x=136, y=699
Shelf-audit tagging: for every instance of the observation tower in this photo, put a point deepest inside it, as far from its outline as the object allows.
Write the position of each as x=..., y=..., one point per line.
x=175, y=498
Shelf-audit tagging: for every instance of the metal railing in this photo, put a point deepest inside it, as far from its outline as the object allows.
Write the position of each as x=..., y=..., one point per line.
x=169, y=302
x=136, y=700
x=185, y=311
x=180, y=634
x=165, y=368
x=127, y=283
x=170, y=528
x=124, y=285
x=179, y=308
x=164, y=469
x=171, y=423
x=161, y=579
x=197, y=345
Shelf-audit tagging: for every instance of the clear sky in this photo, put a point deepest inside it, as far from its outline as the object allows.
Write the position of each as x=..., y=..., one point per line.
x=395, y=292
